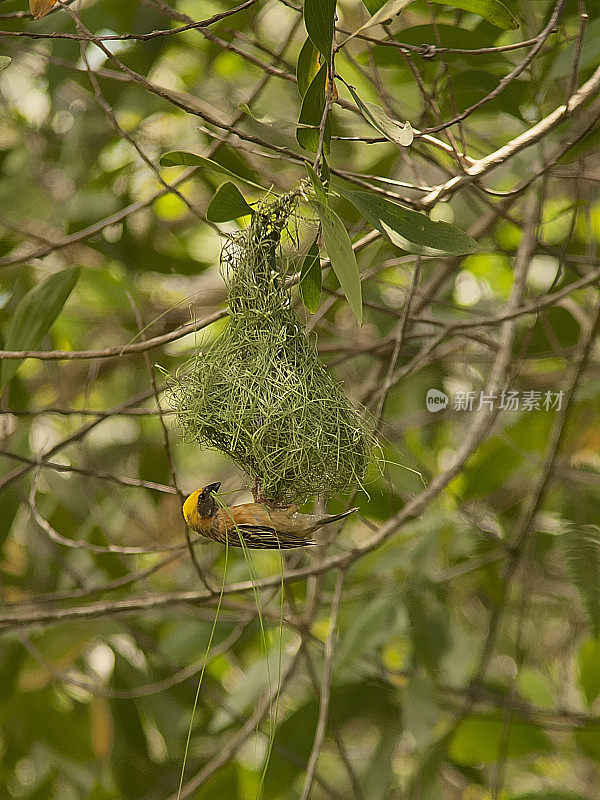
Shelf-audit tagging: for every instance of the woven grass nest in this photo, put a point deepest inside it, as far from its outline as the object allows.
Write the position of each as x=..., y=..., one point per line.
x=260, y=393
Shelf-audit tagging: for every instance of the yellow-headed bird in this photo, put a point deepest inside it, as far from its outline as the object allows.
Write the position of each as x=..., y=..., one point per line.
x=260, y=527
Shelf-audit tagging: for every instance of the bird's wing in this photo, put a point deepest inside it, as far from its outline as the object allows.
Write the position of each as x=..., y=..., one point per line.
x=264, y=528
x=260, y=537
x=289, y=520
x=247, y=514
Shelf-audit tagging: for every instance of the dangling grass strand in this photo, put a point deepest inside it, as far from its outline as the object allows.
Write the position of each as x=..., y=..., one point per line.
x=255, y=592
x=205, y=662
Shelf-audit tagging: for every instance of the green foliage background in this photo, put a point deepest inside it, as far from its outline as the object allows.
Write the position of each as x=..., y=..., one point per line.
x=443, y=643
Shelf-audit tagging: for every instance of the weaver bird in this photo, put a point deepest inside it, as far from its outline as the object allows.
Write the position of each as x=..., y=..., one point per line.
x=261, y=528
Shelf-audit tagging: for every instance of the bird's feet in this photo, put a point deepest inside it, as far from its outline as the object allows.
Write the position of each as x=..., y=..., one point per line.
x=260, y=498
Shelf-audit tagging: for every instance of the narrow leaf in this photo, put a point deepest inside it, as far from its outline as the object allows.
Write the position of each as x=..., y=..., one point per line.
x=4, y=62
x=311, y=114
x=262, y=118
x=581, y=547
x=34, y=316
x=182, y=158
x=429, y=623
x=387, y=11
x=589, y=57
x=375, y=115
x=343, y=261
x=589, y=669
x=373, y=5
x=492, y=10
x=311, y=278
x=228, y=203
x=368, y=629
x=276, y=122
x=307, y=66
x=317, y=184
x=318, y=19
x=483, y=738
x=410, y=230
x=558, y=794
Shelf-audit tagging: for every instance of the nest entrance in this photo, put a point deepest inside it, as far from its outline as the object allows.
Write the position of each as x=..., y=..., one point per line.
x=260, y=393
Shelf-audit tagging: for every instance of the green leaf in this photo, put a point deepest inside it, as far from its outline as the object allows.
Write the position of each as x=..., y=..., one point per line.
x=311, y=278
x=295, y=733
x=182, y=158
x=390, y=128
x=588, y=141
x=589, y=669
x=589, y=56
x=236, y=161
x=408, y=229
x=35, y=315
x=535, y=687
x=480, y=739
x=421, y=713
x=387, y=11
x=325, y=172
x=318, y=19
x=307, y=66
x=373, y=5
x=10, y=506
x=588, y=739
x=447, y=35
x=228, y=203
x=44, y=789
x=369, y=627
x=550, y=794
x=555, y=326
x=264, y=120
x=278, y=122
x=475, y=84
x=4, y=62
x=343, y=261
x=379, y=775
x=492, y=10
x=131, y=758
x=247, y=693
x=224, y=783
x=311, y=114
x=428, y=768
x=320, y=191
x=429, y=623
x=493, y=465
x=581, y=546
x=99, y=792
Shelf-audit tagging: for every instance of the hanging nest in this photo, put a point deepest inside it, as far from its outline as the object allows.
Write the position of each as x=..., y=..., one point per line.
x=260, y=394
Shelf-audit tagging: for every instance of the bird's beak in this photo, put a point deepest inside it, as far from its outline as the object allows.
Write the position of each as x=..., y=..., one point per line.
x=213, y=487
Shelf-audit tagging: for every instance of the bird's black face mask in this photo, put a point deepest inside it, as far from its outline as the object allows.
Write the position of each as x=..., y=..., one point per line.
x=207, y=505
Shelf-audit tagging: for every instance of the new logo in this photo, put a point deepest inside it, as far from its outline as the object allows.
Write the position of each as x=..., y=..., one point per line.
x=436, y=400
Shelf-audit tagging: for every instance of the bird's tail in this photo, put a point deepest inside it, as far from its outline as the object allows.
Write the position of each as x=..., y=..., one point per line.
x=335, y=517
